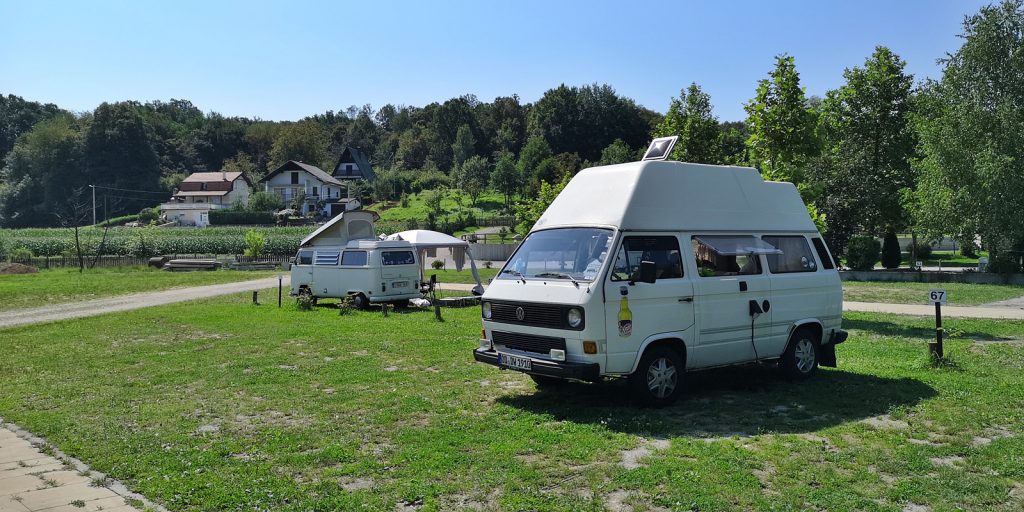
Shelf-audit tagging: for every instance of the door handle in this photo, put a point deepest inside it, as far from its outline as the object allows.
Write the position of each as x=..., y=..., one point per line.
x=685, y=299
x=743, y=286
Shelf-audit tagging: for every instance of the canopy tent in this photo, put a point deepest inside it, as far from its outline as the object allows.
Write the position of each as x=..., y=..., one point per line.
x=427, y=242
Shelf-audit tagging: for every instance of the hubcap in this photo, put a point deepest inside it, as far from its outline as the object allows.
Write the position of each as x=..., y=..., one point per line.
x=662, y=377
x=804, y=354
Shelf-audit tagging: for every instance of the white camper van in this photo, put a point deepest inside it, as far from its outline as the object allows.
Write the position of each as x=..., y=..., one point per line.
x=344, y=258
x=649, y=269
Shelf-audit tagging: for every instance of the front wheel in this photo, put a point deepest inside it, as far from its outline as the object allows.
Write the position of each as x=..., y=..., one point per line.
x=800, y=360
x=360, y=301
x=658, y=379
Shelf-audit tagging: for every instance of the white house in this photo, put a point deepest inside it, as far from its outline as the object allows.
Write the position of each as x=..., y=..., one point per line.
x=204, y=191
x=295, y=179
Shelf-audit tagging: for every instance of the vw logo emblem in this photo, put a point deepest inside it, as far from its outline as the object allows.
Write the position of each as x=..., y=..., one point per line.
x=520, y=314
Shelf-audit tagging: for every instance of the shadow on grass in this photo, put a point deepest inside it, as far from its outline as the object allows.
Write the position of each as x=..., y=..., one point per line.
x=883, y=328
x=739, y=401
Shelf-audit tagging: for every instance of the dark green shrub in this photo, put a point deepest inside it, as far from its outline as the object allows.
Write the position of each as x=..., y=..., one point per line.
x=924, y=250
x=437, y=264
x=1004, y=263
x=862, y=252
x=265, y=202
x=149, y=215
x=891, y=256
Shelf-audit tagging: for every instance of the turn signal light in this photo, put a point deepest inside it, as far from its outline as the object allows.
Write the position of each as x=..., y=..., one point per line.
x=589, y=347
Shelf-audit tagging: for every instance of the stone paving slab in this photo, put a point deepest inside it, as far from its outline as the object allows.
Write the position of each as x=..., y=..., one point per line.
x=35, y=477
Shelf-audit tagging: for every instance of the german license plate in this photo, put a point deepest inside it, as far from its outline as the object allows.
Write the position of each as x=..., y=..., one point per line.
x=515, y=362
x=400, y=284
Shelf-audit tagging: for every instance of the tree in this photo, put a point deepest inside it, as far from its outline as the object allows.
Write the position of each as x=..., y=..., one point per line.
x=305, y=141
x=474, y=174
x=781, y=126
x=265, y=202
x=868, y=146
x=971, y=174
x=617, y=152
x=534, y=152
x=505, y=178
x=18, y=116
x=891, y=255
x=43, y=167
x=118, y=154
x=529, y=211
x=464, y=146
x=690, y=118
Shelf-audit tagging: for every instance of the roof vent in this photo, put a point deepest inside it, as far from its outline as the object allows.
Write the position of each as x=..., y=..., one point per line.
x=660, y=148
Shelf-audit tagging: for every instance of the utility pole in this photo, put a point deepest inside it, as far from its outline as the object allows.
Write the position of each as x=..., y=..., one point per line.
x=93, y=187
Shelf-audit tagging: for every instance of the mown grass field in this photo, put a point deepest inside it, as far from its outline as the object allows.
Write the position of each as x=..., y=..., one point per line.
x=960, y=294
x=221, y=405
x=57, y=286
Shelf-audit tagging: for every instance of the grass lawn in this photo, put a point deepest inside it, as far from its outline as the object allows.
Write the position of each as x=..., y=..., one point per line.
x=68, y=285
x=490, y=203
x=221, y=405
x=463, y=276
x=960, y=294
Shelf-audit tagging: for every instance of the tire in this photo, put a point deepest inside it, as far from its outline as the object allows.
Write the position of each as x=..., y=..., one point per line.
x=544, y=382
x=658, y=379
x=360, y=301
x=800, y=360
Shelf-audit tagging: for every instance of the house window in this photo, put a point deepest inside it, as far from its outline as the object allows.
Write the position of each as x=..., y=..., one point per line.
x=348, y=168
x=314, y=191
x=295, y=178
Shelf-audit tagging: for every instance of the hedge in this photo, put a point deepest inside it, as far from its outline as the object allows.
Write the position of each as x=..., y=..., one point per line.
x=240, y=217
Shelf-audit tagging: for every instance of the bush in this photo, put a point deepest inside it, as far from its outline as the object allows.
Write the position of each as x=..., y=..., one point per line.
x=254, y=244
x=149, y=215
x=240, y=217
x=264, y=202
x=21, y=254
x=862, y=252
x=923, y=250
x=891, y=257
x=437, y=264
x=118, y=221
x=1004, y=263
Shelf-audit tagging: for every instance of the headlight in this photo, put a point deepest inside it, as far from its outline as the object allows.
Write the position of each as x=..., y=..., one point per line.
x=575, y=318
x=486, y=310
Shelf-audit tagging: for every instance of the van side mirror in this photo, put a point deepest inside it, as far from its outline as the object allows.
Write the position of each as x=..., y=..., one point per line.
x=648, y=272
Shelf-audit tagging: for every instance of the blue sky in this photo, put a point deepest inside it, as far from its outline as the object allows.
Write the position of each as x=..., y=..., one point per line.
x=286, y=60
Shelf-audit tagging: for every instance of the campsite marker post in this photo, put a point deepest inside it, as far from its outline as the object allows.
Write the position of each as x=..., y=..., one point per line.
x=279, y=289
x=937, y=297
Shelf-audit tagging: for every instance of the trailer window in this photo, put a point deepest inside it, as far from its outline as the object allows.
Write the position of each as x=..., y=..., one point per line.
x=354, y=259
x=728, y=256
x=305, y=258
x=397, y=258
x=662, y=250
x=796, y=255
x=327, y=258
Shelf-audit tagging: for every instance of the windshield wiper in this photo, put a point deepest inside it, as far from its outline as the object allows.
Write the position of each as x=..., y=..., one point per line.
x=562, y=275
x=515, y=273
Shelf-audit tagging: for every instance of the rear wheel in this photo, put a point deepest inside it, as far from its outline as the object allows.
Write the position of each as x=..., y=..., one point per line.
x=658, y=379
x=360, y=301
x=800, y=360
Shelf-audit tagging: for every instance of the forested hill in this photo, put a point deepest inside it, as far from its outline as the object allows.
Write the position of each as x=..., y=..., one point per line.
x=49, y=152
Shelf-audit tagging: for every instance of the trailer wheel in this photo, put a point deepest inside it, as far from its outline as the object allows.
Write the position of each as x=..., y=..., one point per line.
x=800, y=360
x=360, y=301
x=658, y=379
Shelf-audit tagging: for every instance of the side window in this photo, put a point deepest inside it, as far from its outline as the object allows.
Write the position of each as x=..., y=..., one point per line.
x=796, y=255
x=305, y=258
x=662, y=250
x=295, y=178
x=823, y=255
x=329, y=258
x=726, y=255
x=353, y=259
x=397, y=258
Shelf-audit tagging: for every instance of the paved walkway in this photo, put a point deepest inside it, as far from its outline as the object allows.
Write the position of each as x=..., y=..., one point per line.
x=35, y=476
x=1017, y=303
x=929, y=310
x=129, y=302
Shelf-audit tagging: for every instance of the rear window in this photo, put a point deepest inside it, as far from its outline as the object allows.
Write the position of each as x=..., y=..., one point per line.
x=796, y=255
x=823, y=255
x=354, y=259
x=397, y=258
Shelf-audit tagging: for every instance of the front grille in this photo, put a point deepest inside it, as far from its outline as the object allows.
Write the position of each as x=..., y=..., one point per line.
x=539, y=315
x=528, y=342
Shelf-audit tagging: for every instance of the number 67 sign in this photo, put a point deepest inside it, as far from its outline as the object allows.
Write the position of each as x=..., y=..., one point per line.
x=937, y=296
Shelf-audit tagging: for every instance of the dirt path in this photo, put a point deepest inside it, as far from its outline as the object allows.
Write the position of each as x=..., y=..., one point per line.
x=1017, y=303
x=129, y=302
x=985, y=311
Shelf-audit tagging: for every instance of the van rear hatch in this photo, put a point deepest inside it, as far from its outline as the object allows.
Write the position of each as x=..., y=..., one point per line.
x=399, y=271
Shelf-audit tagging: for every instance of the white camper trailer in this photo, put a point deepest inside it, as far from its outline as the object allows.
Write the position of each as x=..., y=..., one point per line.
x=648, y=269
x=344, y=258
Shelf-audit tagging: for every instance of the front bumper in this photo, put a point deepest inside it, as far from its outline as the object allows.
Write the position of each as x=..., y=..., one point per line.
x=827, y=357
x=590, y=372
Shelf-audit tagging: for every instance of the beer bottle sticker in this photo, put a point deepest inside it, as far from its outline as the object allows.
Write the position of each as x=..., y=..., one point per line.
x=625, y=315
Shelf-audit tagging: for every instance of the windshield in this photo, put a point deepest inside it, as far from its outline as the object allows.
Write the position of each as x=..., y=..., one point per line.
x=576, y=254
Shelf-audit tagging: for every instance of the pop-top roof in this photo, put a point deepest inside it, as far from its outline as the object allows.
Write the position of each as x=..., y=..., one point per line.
x=669, y=196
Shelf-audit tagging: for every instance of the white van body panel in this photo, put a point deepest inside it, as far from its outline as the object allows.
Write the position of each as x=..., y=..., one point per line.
x=328, y=273
x=658, y=203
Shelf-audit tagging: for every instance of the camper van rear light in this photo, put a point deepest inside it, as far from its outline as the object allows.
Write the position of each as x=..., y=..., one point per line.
x=486, y=309
x=557, y=354
x=589, y=347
